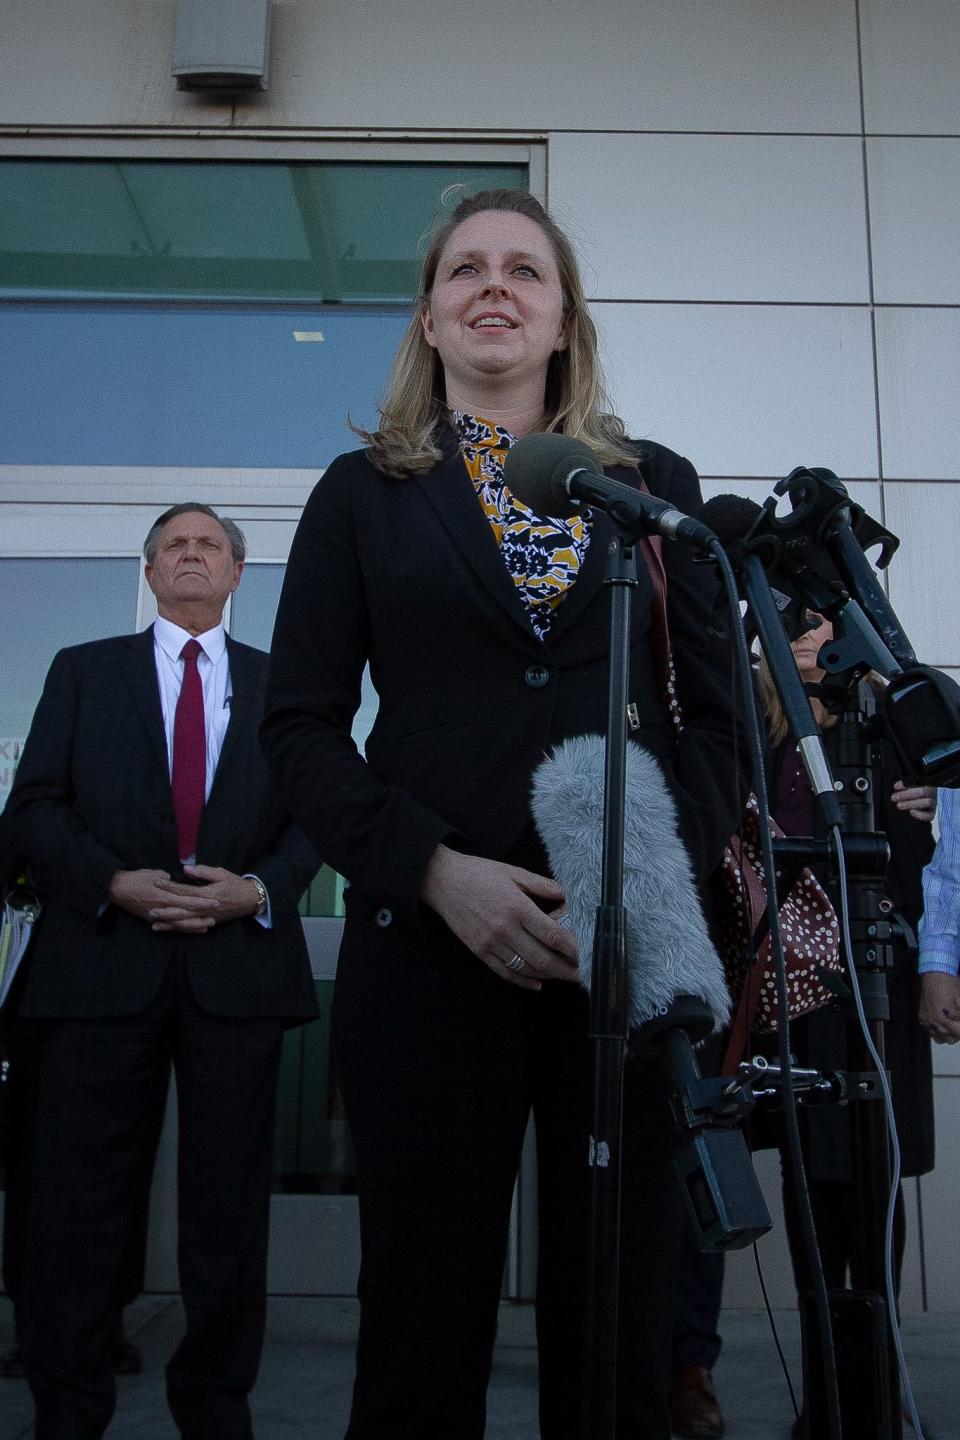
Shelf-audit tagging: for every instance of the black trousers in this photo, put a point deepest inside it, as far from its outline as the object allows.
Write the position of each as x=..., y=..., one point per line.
x=699, y=1300
x=102, y=1092
x=441, y=1063
x=25, y=1047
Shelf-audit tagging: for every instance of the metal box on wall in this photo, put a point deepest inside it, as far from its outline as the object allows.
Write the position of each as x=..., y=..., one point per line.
x=222, y=45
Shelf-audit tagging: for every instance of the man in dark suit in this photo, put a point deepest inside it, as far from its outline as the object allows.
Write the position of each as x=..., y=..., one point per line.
x=170, y=935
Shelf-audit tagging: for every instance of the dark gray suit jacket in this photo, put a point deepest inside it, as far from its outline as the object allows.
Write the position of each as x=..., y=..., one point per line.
x=92, y=796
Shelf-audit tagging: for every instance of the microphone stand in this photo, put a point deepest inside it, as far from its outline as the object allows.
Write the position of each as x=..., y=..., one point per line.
x=608, y=1025
x=869, y=1389
x=712, y=1164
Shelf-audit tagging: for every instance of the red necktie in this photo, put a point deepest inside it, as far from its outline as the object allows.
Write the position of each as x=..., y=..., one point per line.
x=189, y=780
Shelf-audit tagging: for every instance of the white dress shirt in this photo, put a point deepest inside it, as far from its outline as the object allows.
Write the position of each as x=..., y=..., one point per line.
x=214, y=670
x=213, y=667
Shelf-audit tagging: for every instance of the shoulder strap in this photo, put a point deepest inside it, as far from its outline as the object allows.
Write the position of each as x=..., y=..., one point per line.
x=651, y=548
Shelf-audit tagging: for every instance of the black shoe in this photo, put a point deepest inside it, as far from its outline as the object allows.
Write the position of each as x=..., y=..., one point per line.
x=694, y=1409
x=11, y=1364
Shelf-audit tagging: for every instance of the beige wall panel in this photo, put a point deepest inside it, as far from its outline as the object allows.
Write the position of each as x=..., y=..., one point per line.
x=924, y=575
x=746, y=390
x=602, y=64
x=911, y=65
x=911, y=1277
x=939, y=1198
x=918, y=371
x=94, y=62
x=863, y=492
x=915, y=219
x=714, y=217
x=741, y=1290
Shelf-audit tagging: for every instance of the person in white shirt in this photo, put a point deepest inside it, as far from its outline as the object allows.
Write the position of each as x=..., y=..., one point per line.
x=940, y=929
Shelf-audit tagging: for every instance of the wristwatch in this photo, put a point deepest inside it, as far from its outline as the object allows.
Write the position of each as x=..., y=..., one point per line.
x=261, y=895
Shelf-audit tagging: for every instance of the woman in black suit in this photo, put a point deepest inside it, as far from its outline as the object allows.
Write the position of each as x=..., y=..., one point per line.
x=456, y=1009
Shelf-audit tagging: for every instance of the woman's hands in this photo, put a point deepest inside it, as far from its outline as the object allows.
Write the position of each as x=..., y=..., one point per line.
x=920, y=801
x=487, y=905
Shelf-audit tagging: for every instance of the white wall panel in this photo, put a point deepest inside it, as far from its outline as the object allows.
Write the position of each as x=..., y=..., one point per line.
x=911, y=65
x=741, y=1290
x=918, y=364
x=572, y=64
x=915, y=219
x=94, y=62
x=863, y=492
x=924, y=574
x=714, y=217
x=746, y=390
x=939, y=1198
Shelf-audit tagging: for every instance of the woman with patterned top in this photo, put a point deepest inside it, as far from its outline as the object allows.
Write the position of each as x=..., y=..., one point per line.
x=456, y=1011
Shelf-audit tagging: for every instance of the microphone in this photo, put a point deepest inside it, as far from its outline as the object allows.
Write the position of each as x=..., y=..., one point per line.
x=732, y=518
x=675, y=980
x=822, y=506
x=555, y=474
x=669, y=951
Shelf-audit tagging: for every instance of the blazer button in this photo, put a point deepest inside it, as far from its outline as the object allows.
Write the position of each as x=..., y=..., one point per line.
x=536, y=676
x=384, y=917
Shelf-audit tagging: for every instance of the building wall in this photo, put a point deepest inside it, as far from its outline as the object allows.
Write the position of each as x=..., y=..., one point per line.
x=766, y=200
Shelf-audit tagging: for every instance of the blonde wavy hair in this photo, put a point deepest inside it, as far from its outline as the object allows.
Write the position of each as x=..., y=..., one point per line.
x=575, y=402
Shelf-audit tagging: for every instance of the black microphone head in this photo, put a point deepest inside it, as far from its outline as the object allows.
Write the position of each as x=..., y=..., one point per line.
x=537, y=468
x=730, y=517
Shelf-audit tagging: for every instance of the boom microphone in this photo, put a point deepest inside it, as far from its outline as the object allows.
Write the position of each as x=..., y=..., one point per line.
x=669, y=951
x=555, y=475
x=674, y=975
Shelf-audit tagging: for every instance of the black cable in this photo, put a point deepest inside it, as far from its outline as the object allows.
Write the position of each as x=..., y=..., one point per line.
x=773, y=1330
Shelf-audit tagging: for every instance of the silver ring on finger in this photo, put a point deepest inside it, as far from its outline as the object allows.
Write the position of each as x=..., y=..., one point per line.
x=516, y=963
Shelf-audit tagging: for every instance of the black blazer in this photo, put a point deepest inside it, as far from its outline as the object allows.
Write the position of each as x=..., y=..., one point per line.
x=92, y=796
x=406, y=573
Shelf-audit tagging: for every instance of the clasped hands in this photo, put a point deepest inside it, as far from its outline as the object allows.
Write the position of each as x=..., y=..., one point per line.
x=492, y=909
x=169, y=904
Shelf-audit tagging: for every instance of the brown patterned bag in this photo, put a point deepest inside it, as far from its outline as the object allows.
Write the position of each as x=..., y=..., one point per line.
x=809, y=930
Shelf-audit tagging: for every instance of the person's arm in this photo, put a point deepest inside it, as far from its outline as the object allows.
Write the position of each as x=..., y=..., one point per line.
x=377, y=835
x=940, y=929
x=380, y=836
x=70, y=863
